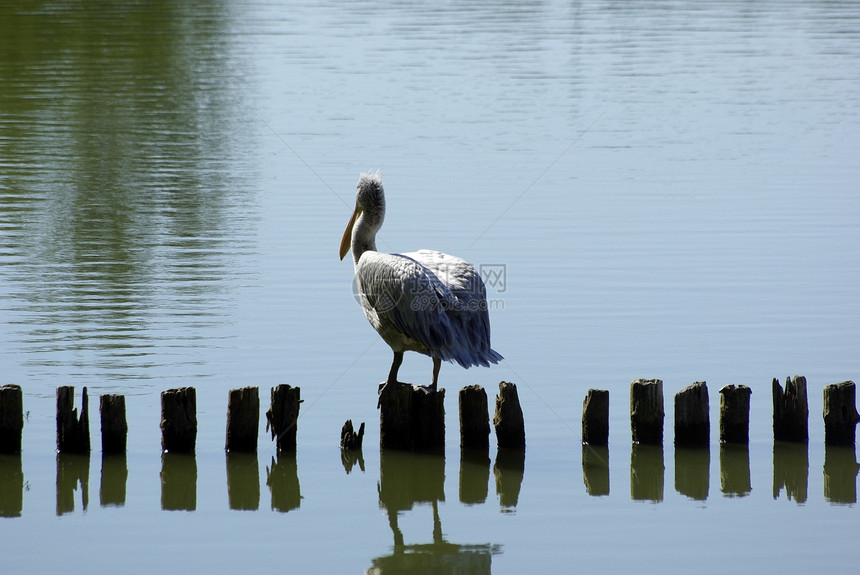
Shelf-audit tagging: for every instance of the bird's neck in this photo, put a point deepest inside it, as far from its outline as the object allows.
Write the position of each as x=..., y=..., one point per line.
x=363, y=238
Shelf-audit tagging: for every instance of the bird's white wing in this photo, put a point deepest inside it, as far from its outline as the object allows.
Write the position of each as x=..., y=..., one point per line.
x=399, y=294
x=466, y=306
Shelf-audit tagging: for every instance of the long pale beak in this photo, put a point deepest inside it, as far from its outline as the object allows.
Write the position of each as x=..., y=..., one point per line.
x=346, y=241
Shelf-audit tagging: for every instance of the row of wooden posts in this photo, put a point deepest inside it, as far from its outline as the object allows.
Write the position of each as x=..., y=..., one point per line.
x=412, y=419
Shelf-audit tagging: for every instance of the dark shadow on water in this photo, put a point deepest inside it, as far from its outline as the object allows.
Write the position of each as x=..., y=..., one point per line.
x=595, y=469
x=791, y=470
x=351, y=457
x=11, y=485
x=735, y=470
x=840, y=475
x=178, y=481
x=282, y=477
x=72, y=470
x=407, y=480
x=113, y=481
x=243, y=481
x=474, y=476
x=693, y=472
x=647, y=473
x=509, y=471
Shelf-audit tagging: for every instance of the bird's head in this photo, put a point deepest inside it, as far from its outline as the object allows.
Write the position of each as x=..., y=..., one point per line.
x=369, y=207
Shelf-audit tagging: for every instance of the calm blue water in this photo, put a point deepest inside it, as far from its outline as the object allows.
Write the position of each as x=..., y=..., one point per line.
x=669, y=190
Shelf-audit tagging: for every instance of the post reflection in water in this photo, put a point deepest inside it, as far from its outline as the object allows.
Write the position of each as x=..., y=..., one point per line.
x=474, y=476
x=595, y=469
x=407, y=479
x=509, y=470
x=840, y=474
x=113, y=481
x=693, y=472
x=72, y=470
x=178, y=481
x=646, y=473
x=282, y=477
x=11, y=485
x=791, y=470
x=349, y=457
x=243, y=481
x=735, y=470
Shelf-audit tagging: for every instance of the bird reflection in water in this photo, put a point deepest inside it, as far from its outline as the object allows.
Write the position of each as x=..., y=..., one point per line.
x=408, y=479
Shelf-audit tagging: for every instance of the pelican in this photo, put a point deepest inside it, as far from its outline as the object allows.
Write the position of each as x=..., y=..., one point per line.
x=424, y=301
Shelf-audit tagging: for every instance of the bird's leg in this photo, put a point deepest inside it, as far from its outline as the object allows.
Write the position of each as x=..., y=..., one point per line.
x=437, y=364
x=392, y=375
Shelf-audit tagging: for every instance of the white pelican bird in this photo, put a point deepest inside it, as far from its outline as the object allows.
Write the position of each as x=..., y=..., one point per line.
x=423, y=301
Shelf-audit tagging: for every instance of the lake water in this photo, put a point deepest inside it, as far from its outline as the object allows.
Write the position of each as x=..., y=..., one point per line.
x=655, y=190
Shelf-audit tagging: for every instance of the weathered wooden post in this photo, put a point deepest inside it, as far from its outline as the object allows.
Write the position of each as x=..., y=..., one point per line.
x=349, y=439
x=735, y=414
x=243, y=419
x=411, y=418
x=283, y=415
x=646, y=411
x=840, y=413
x=474, y=419
x=508, y=418
x=11, y=418
x=179, y=420
x=73, y=432
x=595, y=417
x=790, y=410
x=114, y=424
x=692, y=416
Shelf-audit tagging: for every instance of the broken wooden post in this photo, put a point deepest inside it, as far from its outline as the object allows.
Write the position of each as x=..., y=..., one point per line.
x=595, y=417
x=735, y=414
x=646, y=411
x=411, y=418
x=349, y=439
x=474, y=419
x=692, y=419
x=282, y=416
x=11, y=418
x=73, y=432
x=179, y=420
x=243, y=419
x=508, y=418
x=114, y=424
x=840, y=413
x=790, y=410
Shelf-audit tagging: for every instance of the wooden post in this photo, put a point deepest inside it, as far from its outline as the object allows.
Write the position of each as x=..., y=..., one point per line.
x=283, y=415
x=11, y=418
x=790, y=410
x=692, y=418
x=114, y=425
x=474, y=419
x=243, y=419
x=73, y=432
x=508, y=418
x=735, y=414
x=179, y=420
x=646, y=411
x=349, y=439
x=840, y=413
x=411, y=418
x=595, y=417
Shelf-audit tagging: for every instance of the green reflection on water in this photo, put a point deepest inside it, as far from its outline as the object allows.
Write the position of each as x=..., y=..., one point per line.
x=116, y=132
x=407, y=480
